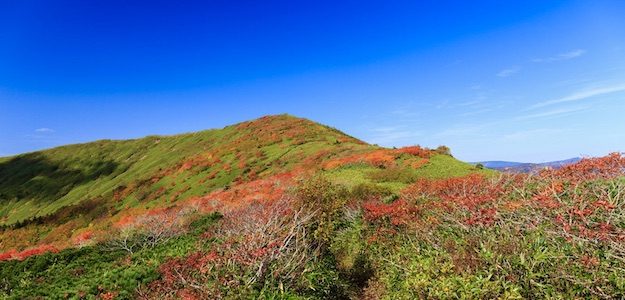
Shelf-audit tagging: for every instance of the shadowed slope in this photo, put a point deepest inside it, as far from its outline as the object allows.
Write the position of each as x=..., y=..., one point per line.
x=39, y=183
x=54, y=196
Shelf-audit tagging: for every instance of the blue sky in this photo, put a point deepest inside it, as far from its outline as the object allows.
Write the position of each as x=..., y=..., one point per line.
x=523, y=81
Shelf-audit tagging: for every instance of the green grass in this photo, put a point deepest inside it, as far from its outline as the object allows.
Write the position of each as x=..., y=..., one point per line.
x=367, y=245
x=83, y=273
x=49, y=196
x=445, y=166
x=40, y=183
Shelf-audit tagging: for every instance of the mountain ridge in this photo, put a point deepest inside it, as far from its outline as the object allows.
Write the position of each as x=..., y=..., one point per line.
x=103, y=182
x=285, y=208
x=524, y=167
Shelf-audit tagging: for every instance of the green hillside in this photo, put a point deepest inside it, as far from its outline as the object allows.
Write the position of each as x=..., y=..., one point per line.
x=161, y=170
x=39, y=183
x=285, y=208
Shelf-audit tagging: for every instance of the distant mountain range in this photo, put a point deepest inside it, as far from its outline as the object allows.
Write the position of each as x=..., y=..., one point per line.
x=527, y=167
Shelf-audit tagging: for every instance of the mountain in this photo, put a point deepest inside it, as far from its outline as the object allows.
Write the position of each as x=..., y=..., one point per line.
x=70, y=188
x=64, y=207
x=519, y=167
x=157, y=168
x=285, y=208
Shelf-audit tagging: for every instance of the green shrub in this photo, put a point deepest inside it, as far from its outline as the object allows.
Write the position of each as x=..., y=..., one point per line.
x=444, y=150
x=327, y=199
x=402, y=175
x=366, y=191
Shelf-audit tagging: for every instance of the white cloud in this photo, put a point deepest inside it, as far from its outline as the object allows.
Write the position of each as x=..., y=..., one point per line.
x=562, y=56
x=508, y=72
x=459, y=130
x=476, y=112
x=401, y=112
x=582, y=95
x=532, y=133
x=469, y=103
x=386, y=129
x=44, y=130
x=552, y=113
x=389, y=136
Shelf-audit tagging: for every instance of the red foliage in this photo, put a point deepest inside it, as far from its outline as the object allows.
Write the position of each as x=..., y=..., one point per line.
x=610, y=166
x=125, y=221
x=398, y=212
x=420, y=163
x=382, y=158
x=267, y=189
x=108, y=295
x=83, y=238
x=416, y=151
x=575, y=199
x=37, y=250
x=484, y=216
x=41, y=249
x=8, y=255
x=470, y=192
x=252, y=238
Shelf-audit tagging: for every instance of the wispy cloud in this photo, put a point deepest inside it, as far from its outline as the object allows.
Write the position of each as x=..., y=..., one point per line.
x=469, y=103
x=508, y=72
x=44, y=130
x=476, y=112
x=532, y=133
x=405, y=112
x=389, y=136
x=582, y=95
x=552, y=113
x=43, y=134
x=459, y=130
x=386, y=129
x=562, y=56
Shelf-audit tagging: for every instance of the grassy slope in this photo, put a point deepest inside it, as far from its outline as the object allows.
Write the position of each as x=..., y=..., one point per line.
x=40, y=183
x=484, y=248
x=88, y=271
x=89, y=185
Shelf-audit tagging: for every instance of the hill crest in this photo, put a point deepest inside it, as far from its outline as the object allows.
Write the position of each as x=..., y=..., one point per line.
x=53, y=196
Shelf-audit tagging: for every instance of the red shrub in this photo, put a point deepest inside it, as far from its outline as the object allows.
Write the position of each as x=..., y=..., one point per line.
x=83, y=238
x=470, y=191
x=40, y=249
x=8, y=255
x=607, y=167
x=416, y=151
x=382, y=158
x=398, y=213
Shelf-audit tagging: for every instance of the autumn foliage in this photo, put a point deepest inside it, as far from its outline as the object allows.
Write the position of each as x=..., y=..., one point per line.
x=262, y=244
x=583, y=201
x=381, y=158
x=21, y=255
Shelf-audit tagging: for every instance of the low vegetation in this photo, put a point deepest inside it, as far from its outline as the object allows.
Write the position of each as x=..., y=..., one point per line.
x=319, y=215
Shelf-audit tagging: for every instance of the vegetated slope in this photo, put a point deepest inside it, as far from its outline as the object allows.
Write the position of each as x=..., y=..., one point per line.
x=54, y=197
x=283, y=208
x=39, y=183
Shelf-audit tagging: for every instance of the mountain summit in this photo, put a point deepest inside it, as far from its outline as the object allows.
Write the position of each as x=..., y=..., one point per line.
x=286, y=208
x=96, y=183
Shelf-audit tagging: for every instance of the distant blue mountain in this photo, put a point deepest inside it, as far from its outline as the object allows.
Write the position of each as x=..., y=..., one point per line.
x=520, y=167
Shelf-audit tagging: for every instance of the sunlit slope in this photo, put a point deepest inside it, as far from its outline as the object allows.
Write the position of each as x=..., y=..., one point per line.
x=158, y=169
x=39, y=183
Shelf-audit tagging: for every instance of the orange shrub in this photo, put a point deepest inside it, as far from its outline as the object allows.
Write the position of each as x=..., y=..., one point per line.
x=416, y=151
x=382, y=158
x=36, y=250
x=398, y=213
